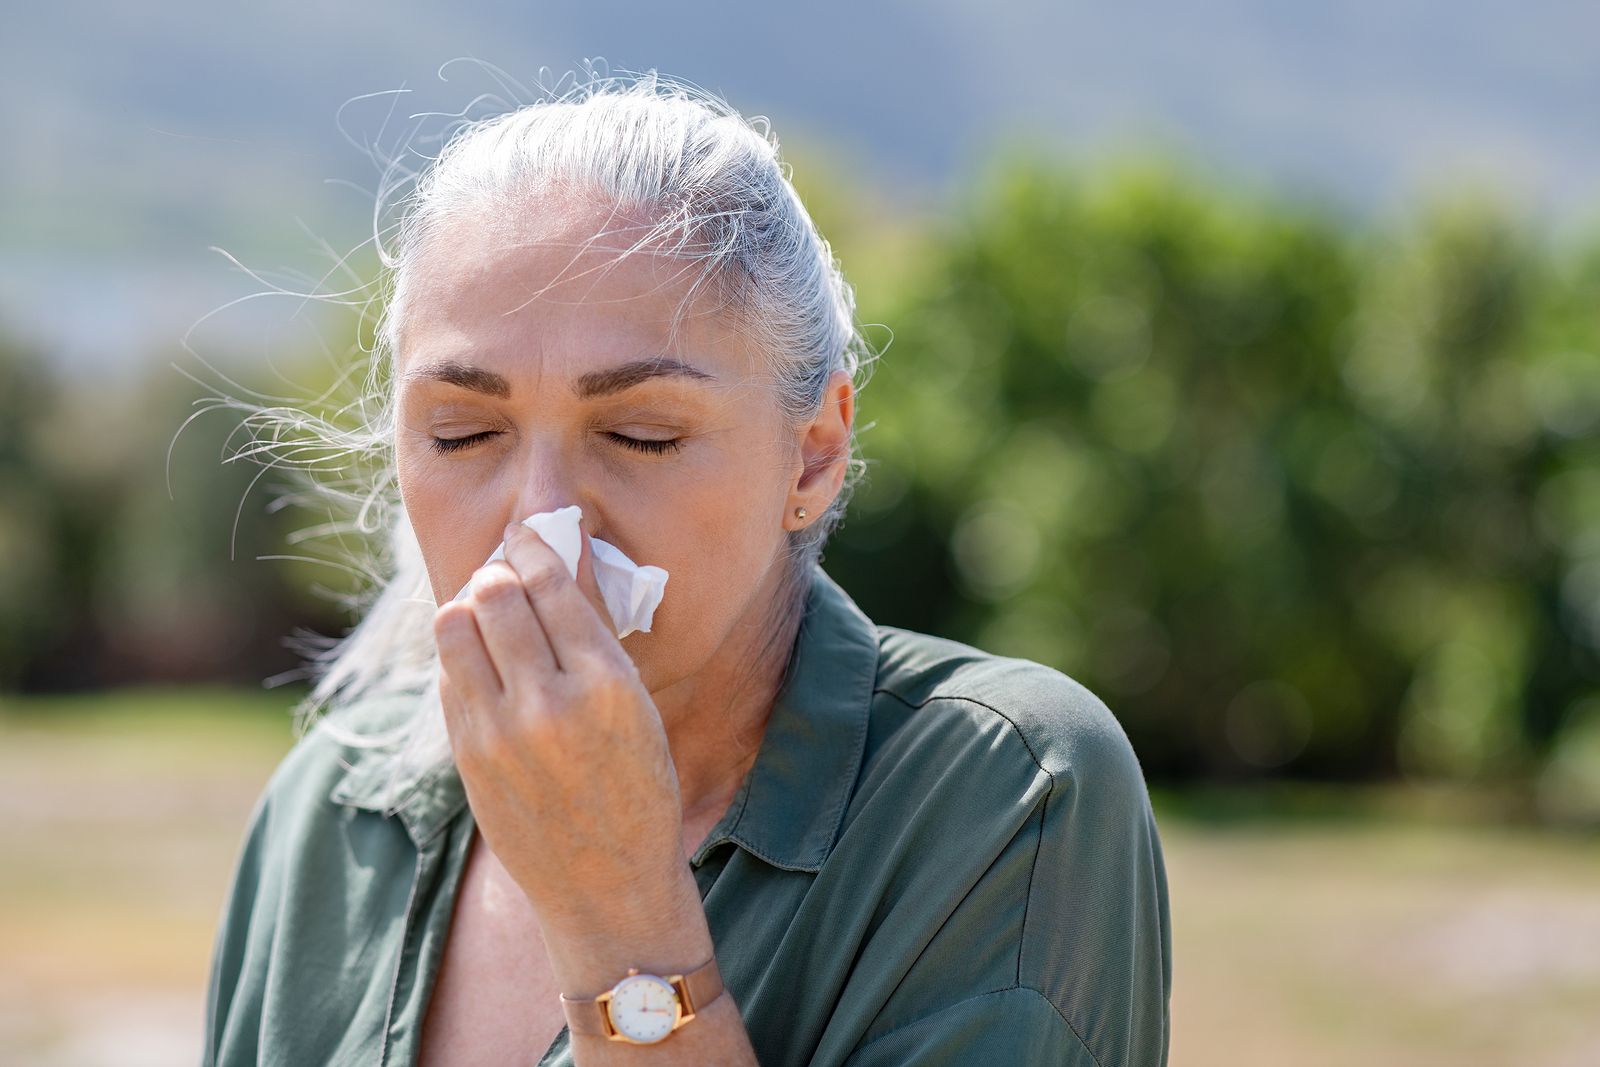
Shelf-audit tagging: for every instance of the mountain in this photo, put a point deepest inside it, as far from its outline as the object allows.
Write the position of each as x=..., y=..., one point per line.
x=138, y=135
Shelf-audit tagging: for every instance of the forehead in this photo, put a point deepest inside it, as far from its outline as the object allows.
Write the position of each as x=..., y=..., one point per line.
x=549, y=284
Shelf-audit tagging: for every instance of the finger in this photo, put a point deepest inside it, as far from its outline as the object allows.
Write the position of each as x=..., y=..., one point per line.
x=457, y=716
x=463, y=656
x=572, y=621
x=589, y=582
x=512, y=633
x=466, y=727
x=587, y=579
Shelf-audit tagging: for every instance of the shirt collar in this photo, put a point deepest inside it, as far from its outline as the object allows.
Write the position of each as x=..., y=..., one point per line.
x=789, y=808
x=425, y=804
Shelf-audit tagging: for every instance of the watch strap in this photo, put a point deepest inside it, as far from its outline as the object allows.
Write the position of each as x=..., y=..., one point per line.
x=696, y=989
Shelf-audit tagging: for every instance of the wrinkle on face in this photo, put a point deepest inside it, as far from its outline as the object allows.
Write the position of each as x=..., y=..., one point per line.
x=500, y=323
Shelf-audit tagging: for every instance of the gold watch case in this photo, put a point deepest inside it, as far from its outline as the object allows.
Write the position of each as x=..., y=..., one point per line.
x=637, y=995
x=627, y=1011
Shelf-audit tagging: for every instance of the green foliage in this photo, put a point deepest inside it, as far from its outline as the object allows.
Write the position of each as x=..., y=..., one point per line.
x=1296, y=498
x=33, y=572
x=1290, y=497
x=129, y=541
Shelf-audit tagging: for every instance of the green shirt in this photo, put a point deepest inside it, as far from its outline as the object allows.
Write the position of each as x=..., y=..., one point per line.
x=939, y=856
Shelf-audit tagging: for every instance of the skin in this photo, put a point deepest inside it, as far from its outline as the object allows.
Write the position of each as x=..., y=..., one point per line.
x=595, y=766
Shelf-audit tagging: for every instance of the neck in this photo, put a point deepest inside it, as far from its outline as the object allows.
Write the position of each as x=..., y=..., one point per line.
x=716, y=719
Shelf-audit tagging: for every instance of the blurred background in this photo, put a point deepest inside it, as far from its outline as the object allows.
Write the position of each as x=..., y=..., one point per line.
x=1241, y=360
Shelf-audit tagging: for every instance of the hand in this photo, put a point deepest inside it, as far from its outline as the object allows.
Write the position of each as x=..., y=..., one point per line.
x=558, y=743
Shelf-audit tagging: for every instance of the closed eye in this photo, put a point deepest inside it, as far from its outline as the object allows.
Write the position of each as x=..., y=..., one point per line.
x=655, y=447
x=445, y=445
x=456, y=444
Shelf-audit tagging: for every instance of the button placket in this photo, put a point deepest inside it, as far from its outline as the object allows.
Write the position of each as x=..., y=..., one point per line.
x=426, y=859
x=402, y=1037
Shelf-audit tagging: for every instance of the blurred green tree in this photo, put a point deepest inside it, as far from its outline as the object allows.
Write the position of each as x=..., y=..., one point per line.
x=1294, y=497
x=37, y=579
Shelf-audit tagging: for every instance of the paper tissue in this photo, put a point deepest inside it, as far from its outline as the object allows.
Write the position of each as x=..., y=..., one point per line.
x=631, y=592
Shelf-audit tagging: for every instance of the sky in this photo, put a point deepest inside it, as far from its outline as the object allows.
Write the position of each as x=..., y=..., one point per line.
x=142, y=137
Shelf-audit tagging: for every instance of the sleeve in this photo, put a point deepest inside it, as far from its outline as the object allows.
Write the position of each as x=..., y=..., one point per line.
x=1014, y=1027
x=1058, y=949
x=1097, y=937
x=223, y=1011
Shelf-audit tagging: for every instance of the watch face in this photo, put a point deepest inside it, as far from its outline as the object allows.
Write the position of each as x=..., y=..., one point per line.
x=644, y=1008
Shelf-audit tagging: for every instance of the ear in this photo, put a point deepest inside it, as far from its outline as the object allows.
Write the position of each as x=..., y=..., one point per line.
x=824, y=452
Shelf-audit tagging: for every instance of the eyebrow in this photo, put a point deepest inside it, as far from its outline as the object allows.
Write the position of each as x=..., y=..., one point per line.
x=594, y=384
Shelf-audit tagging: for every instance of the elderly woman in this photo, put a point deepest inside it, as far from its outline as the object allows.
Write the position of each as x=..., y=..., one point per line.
x=763, y=830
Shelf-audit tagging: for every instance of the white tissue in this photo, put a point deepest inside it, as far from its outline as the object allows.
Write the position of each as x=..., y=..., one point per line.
x=632, y=593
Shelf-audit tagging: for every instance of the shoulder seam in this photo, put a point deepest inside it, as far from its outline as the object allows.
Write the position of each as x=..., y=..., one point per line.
x=973, y=700
x=979, y=996
x=1027, y=904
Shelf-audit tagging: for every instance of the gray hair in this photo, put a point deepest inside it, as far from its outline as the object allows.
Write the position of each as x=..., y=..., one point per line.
x=718, y=197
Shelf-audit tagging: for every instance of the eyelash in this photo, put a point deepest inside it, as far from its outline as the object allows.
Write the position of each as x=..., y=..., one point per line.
x=445, y=445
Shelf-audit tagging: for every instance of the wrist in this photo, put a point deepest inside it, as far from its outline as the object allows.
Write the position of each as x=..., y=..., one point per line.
x=644, y=1008
x=638, y=905
x=592, y=944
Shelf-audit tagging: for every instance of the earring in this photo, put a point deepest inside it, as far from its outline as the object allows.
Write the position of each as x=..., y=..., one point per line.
x=799, y=513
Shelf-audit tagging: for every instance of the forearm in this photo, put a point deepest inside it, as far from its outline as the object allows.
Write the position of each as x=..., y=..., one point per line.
x=661, y=931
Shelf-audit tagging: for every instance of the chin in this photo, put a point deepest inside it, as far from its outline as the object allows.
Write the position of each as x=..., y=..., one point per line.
x=642, y=648
x=662, y=661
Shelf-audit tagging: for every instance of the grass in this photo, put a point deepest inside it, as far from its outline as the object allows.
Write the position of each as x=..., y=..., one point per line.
x=1311, y=926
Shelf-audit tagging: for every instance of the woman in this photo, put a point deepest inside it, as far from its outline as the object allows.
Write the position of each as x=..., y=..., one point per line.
x=766, y=830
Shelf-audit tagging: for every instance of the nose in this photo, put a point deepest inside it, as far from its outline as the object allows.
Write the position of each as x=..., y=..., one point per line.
x=545, y=483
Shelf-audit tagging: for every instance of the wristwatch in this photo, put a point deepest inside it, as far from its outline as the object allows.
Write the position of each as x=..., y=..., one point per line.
x=643, y=1009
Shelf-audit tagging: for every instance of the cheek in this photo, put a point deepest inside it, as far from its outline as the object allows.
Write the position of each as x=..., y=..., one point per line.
x=432, y=496
x=446, y=514
x=719, y=524
x=412, y=472
x=716, y=550
x=717, y=555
